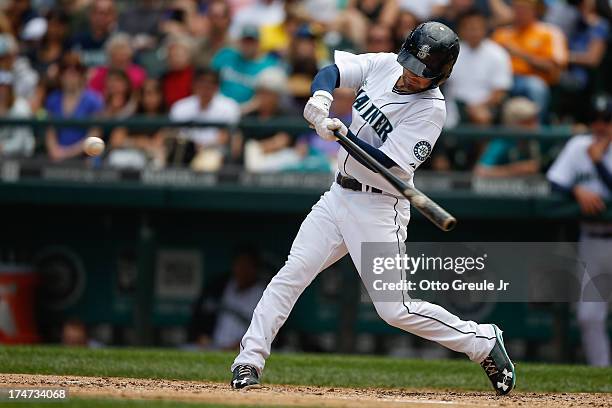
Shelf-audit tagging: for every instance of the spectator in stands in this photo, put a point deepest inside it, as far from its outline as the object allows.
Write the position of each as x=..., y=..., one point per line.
x=72, y=100
x=119, y=101
x=119, y=56
x=538, y=51
x=45, y=57
x=587, y=47
x=258, y=14
x=303, y=63
x=177, y=81
x=380, y=39
x=423, y=9
x=24, y=77
x=498, y=12
x=139, y=147
x=207, y=104
x=19, y=13
x=14, y=141
x=140, y=20
x=359, y=14
x=217, y=36
x=183, y=17
x=276, y=38
x=90, y=43
x=316, y=153
x=218, y=320
x=271, y=151
x=511, y=158
x=406, y=22
x=239, y=67
x=482, y=75
x=583, y=171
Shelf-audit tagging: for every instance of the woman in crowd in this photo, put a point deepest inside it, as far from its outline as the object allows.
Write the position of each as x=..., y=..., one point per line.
x=120, y=55
x=71, y=100
x=144, y=145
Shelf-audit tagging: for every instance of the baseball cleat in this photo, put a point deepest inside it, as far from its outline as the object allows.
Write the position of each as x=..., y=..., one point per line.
x=245, y=377
x=498, y=366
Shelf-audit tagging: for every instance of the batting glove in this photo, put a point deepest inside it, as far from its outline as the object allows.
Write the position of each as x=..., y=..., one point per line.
x=317, y=107
x=327, y=126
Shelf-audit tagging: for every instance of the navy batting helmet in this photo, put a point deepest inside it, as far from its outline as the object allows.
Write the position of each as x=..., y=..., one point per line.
x=430, y=51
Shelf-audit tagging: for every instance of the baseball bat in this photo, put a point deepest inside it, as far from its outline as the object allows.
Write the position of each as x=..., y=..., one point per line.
x=426, y=206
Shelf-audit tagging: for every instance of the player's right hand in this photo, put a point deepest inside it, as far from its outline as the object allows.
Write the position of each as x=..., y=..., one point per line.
x=317, y=107
x=325, y=129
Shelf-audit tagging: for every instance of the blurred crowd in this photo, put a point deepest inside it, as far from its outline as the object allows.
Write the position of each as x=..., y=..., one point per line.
x=523, y=64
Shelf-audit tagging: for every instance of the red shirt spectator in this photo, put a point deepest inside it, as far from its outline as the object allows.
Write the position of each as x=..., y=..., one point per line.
x=177, y=82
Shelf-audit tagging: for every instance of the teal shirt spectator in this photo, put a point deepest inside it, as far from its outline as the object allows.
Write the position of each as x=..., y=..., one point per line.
x=238, y=74
x=502, y=151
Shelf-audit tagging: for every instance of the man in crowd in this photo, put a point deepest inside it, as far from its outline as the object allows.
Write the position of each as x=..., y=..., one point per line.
x=239, y=67
x=538, y=50
x=90, y=43
x=207, y=105
x=482, y=76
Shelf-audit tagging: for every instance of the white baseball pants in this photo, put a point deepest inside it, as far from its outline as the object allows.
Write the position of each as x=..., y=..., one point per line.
x=337, y=224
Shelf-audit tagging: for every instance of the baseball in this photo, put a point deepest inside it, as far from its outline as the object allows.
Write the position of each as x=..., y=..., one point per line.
x=93, y=146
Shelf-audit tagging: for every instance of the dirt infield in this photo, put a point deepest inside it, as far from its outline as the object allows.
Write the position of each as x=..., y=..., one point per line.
x=283, y=395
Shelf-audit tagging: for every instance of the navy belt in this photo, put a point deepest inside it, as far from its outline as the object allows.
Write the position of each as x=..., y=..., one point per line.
x=352, y=184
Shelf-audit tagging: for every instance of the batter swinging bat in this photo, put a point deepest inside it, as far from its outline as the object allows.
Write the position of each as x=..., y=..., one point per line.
x=426, y=206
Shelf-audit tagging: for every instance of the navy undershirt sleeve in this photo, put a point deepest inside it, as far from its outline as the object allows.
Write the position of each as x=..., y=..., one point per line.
x=604, y=174
x=327, y=79
x=561, y=189
x=374, y=152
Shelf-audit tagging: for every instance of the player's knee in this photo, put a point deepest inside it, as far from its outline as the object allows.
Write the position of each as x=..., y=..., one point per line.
x=391, y=316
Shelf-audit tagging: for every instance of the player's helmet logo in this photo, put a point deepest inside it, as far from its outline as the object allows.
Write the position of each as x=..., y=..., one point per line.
x=423, y=51
x=422, y=150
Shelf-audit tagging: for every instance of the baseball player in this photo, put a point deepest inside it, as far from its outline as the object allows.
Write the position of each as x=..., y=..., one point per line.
x=398, y=115
x=583, y=170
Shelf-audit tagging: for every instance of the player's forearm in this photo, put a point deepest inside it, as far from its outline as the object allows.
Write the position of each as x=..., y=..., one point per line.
x=327, y=79
x=372, y=151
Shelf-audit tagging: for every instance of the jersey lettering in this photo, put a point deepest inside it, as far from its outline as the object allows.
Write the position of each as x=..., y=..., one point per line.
x=371, y=114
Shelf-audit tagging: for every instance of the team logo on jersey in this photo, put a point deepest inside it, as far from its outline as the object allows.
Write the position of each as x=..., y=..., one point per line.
x=423, y=51
x=422, y=150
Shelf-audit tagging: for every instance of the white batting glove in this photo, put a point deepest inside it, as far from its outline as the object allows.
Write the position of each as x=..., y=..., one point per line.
x=327, y=127
x=317, y=107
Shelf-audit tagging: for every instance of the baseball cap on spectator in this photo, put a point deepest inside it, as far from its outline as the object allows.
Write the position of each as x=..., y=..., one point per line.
x=273, y=80
x=8, y=45
x=250, y=31
x=519, y=110
x=305, y=31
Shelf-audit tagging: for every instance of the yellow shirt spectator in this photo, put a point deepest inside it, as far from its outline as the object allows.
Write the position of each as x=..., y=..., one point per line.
x=538, y=40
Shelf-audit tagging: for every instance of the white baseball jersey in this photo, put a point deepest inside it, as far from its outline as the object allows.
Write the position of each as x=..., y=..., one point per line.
x=575, y=167
x=404, y=127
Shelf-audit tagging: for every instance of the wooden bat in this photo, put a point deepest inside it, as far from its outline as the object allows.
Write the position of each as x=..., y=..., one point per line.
x=426, y=206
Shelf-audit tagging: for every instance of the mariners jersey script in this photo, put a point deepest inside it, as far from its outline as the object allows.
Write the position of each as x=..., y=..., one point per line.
x=404, y=127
